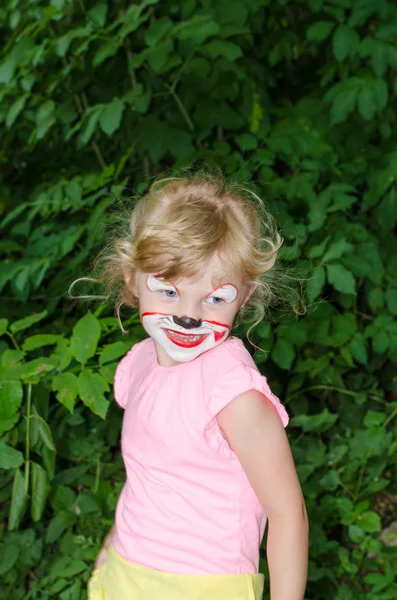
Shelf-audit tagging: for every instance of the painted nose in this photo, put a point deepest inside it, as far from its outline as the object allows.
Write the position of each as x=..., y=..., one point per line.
x=187, y=322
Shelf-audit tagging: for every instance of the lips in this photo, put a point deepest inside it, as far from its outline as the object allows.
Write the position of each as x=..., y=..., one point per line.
x=184, y=340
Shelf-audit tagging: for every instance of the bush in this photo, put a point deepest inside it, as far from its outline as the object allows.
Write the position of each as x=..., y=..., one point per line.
x=97, y=98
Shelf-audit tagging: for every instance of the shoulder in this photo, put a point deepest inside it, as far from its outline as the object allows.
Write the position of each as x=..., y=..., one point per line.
x=129, y=365
x=226, y=357
x=238, y=377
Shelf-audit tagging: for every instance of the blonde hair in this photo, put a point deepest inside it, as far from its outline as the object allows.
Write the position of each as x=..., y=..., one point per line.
x=180, y=223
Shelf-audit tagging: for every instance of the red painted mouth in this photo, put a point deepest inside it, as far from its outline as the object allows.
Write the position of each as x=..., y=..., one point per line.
x=184, y=340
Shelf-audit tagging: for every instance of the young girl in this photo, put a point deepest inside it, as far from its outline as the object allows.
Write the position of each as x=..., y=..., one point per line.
x=206, y=456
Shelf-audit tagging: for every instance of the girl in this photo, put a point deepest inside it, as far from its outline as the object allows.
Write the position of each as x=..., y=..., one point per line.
x=206, y=455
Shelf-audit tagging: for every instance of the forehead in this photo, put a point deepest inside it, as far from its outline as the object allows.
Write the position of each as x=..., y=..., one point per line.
x=213, y=275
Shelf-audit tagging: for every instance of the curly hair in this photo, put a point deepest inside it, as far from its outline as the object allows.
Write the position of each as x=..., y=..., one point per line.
x=179, y=224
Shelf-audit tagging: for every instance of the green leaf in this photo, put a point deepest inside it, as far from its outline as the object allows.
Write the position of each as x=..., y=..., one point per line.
x=356, y=534
x=27, y=321
x=376, y=298
x=391, y=300
x=320, y=30
x=158, y=56
x=44, y=432
x=196, y=29
x=11, y=395
x=157, y=30
x=38, y=341
x=45, y=118
x=330, y=481
x=110, y=117
x=343, y=96
x=57, y=526
x=66, y=386
x=98, y=14
x=283, y=353
x=91, y=118
x=70, y=568
x=358, y=349
x=62, y=45
x=7, y=69
x=374, y=419
x=387, y=212
x=87, y=504
x=11, y=357
x=341, y=278
x=337, y=249
x=3, y=326
x=91, y=390
x=222, y=48
x=10, y=553
x=18, y=500
x=320, y=422
x=40, y=491
x=112, y=351
x=372, y=98
x=247, y=141
x=86, y=334
x=345, y=41
x=370, y=521
x=380, y=342
x=72, y=592
x=380, y=58
x=106, y=50
x=14, y=110
x=9, y=457
x=33, y=370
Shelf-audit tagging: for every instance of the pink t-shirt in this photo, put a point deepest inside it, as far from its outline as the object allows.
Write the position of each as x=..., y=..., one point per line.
x=187, y=505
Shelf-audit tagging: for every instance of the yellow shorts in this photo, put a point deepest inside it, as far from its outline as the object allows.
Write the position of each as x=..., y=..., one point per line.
x=120, y=579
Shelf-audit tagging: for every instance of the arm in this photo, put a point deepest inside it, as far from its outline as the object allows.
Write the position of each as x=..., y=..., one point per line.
x=102, y=555
x=254, y=431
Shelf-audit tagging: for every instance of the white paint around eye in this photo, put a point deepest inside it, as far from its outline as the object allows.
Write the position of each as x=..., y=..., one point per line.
x=227, y=292
x=158, y=285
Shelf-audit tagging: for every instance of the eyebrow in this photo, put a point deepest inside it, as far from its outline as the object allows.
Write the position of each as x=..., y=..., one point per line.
x=169, y=283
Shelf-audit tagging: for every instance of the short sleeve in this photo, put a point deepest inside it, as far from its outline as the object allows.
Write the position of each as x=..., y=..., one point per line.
x=122, y=379
x=232, y=384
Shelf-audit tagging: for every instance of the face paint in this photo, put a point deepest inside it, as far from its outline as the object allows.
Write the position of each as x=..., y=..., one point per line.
x=227, y=292
x=155, y=284
x=183, y=345
x=188, y=321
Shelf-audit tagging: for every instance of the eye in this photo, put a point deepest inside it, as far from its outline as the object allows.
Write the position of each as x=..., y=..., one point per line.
x=169, y=293
x=215, y=300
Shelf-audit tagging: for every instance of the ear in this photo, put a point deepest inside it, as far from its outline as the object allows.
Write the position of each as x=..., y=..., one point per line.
x=250, y=290
x=130, y=279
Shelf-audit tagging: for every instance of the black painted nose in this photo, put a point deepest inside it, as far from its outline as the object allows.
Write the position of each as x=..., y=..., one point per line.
x=187, y=322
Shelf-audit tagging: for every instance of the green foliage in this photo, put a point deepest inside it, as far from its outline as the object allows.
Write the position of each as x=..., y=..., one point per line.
x=97, y=98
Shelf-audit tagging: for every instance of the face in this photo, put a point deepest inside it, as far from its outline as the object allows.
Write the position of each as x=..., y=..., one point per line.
x=186, y=318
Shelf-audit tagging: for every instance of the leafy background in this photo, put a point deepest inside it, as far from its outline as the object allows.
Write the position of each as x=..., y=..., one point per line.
x=299, y=98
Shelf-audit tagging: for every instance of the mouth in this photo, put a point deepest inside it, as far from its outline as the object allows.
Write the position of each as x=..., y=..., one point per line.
x=185, y=340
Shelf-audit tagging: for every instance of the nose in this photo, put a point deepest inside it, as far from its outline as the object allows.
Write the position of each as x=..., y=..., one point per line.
x=187, y=322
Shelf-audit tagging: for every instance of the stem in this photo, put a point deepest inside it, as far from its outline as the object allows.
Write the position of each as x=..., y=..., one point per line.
x=390, y=418
x=131, y=72
x=95, y=146
x=360, y=478
x=178, y=76
x=146, y=166
x=27, y=439
x=97, y=475
x=99, y=156
x=13, y=340
x=322, y=387
x=181, y=106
